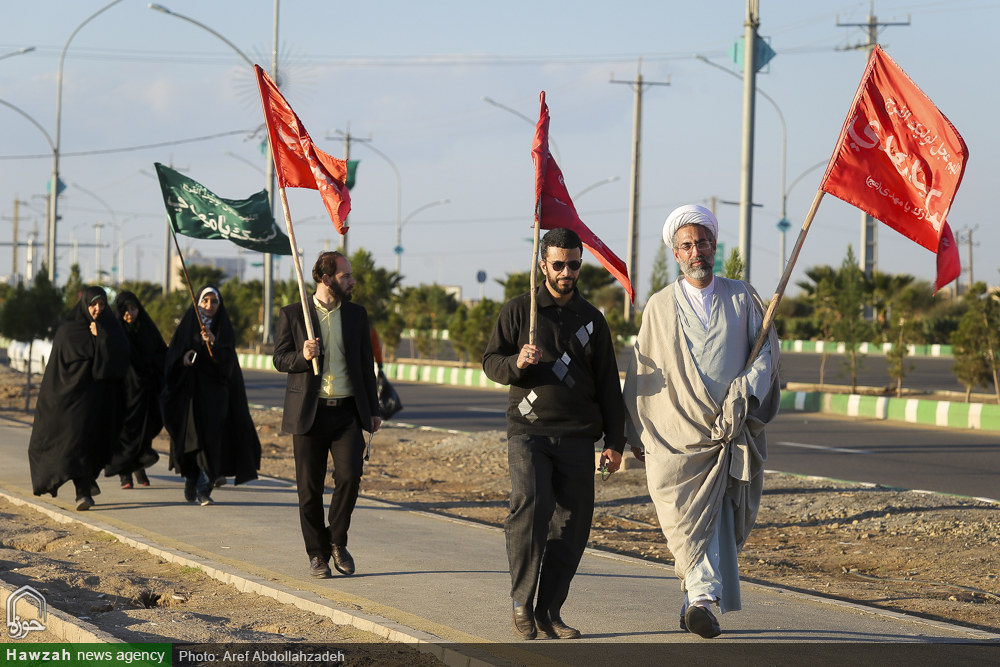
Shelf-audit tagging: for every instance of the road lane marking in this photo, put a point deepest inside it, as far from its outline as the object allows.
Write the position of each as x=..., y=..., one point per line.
x=839, y=450
x=486, y=410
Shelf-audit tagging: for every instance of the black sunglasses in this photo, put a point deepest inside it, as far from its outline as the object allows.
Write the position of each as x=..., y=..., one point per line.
x=573, y=264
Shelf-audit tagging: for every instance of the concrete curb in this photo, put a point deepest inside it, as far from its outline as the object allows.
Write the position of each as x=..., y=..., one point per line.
x=62, y=626
x=72, y=629
x=949, y=414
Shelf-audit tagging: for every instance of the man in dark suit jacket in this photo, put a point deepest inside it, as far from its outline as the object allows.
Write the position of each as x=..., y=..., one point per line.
x=328, y=412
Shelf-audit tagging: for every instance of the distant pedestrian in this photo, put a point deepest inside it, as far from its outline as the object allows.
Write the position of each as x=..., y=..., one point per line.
x=80, y=406
x=143, y=383
x=564, y=396
x=328, y=413
x=698, y=414
x=204, y=402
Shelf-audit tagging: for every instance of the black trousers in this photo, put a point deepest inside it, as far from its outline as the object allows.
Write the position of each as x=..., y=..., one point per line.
x=337, y=432
x=551, y=509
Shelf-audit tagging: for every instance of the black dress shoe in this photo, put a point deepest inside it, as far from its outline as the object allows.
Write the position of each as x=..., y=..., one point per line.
x=524, y=622
x=552, y=626
x=342, y=559
x=319, y=568
x=701, y=621
x=83, y=504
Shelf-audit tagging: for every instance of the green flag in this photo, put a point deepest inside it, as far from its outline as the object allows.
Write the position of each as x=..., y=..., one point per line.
x=196, y=211
x=352, y=171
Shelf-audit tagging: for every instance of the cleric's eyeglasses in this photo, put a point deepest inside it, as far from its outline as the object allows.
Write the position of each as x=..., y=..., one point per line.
x=702, y=244
x=573, y=264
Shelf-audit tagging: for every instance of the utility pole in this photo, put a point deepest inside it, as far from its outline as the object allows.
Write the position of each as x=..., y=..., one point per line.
x=347, y=156
x=13, y=247
x=965, y=236
x=867, y=260
x=750, y=26
x=632, y=260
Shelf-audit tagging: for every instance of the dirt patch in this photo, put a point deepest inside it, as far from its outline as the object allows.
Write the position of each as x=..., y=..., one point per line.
x=934, y=556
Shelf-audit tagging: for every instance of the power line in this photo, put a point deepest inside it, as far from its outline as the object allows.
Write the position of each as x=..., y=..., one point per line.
x=127, y=149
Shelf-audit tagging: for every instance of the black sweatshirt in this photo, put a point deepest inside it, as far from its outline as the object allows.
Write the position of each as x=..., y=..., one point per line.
x=575, y=389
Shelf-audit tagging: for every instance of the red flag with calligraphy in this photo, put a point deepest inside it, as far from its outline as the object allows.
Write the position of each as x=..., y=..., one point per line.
x=554, y=208
x=297, y=161
x=900, y=160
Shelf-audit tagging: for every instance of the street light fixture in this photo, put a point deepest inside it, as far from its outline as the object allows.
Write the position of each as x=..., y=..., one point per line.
x=609, y=179
x=399, y=231
x=552, y=142
x=50, y=241
x=26, y=49
x=268, y=296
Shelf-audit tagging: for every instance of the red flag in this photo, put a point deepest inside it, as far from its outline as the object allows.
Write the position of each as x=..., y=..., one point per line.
x=297, y=162
x=900, y=160
x=554, y=208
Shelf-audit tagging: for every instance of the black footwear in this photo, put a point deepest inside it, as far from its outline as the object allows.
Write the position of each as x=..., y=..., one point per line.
x=140, y=478
x=524, y=621
x=552, y=626
x=319, y=568
x=220, y=481
x=701, y=621
x=190, y=494
x=342, y=559
x=684, y=625
x=204, y=499
x=83, y=504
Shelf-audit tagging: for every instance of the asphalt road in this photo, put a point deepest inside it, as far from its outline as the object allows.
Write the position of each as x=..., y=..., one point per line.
x=965, y=463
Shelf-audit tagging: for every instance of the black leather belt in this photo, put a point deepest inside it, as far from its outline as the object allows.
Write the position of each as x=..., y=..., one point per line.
x=335, y=402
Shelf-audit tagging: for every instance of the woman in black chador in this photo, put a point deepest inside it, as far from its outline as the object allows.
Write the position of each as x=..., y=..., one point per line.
x=80, y=403
x=205, y=403
x=143, y=384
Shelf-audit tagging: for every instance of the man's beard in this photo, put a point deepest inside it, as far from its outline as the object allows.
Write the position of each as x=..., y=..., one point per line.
x=697, y=273
x=339, y=292
x=561, y=288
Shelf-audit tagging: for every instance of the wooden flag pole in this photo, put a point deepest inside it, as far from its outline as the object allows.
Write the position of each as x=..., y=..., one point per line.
x=306, y=315
x=187, y=281
x=779, y=291
x=533, y=270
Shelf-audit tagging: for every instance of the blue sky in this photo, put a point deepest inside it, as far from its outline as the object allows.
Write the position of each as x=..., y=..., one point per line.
x=408, y=79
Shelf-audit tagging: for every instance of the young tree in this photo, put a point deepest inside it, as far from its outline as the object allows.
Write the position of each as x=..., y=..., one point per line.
x=904, y=321
x=734, y=266
x=974, y=343
x=851, y=327
x=660, y=276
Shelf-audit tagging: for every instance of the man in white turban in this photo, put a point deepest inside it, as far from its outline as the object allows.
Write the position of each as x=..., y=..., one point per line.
x=698, y=408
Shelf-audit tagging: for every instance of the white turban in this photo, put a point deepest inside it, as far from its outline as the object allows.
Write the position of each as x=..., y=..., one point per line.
x=692, y=214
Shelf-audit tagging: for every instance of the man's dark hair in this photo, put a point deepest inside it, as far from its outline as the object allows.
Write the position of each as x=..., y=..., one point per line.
x=326, y=264
x=560, y=237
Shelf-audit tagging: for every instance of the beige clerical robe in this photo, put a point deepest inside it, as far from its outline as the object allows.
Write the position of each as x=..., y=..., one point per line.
x=699, y=413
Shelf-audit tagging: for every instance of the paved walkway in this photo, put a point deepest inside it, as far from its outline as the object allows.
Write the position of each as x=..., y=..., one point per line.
x=422, y=577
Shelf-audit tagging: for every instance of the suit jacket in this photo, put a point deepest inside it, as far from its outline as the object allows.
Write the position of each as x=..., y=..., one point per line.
x=302, y=387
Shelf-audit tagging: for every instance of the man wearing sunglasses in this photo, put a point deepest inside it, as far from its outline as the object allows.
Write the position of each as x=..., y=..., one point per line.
x=564, y=396
x=698, y=408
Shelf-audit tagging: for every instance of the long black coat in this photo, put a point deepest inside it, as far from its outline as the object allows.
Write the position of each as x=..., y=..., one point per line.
x=143, y=385
x=205, y=407
x=80, y=403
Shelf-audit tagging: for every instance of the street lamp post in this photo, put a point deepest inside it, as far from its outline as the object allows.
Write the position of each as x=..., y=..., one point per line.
x=50, y=241
x=399, y=231
x=116, y=227
x=268, y=296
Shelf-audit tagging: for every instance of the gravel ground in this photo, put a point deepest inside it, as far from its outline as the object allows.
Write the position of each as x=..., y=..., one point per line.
x=923, y=554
